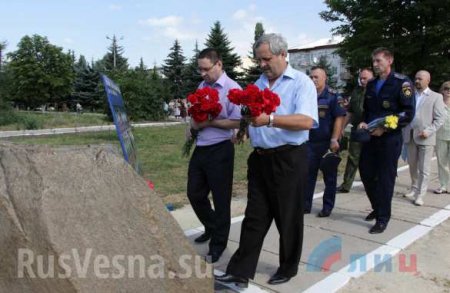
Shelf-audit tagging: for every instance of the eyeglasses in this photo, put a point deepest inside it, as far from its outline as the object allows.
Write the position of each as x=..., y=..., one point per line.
x=205, y=70
x=446, y=89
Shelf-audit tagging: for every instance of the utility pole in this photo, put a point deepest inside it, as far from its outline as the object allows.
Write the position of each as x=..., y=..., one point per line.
x=114, y=47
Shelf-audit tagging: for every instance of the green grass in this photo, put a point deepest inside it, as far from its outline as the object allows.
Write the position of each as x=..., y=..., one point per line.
x=39, y=120
x=159, y=153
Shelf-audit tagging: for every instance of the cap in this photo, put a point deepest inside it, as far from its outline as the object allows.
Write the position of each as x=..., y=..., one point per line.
x=330, y=161
x=360, y=135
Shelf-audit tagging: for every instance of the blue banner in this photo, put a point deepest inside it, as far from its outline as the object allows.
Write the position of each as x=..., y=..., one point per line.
x=123, y=126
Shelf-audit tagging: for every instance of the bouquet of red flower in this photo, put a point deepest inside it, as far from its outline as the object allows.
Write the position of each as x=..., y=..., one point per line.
x=203, y=105
x=254, y=102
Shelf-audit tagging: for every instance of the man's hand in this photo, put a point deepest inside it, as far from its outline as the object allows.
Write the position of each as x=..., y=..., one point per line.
x=234, y=139
x=188, y=132
x=261, y=120
x=334, y=145
x=423, y=134
x=362, y=125
x=379, y=131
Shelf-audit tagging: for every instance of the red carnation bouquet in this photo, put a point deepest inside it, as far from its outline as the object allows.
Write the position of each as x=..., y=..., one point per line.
x=254, y=102
x=203, y=105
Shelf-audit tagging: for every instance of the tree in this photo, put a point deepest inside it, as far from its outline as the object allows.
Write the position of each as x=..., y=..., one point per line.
x=86, y=87
x=218, y=40
x=5, y=81
x=323, y=63
x=415, y=30
x=174, y=71
x=141, y=66
x=2, y=48
x=193, y=78
x=42, y=73
x=5, y=87
x=142, y=94
x=113, y=61
x=160, y=85
x=254, y=71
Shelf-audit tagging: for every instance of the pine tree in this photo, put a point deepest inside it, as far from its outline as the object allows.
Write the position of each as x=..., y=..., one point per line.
x=86, y=87
x=141, y=66
x=254, y=71
x=323, y=63
x=174, y=71
x=113, y=61
x=218, y=40
x=193, y=79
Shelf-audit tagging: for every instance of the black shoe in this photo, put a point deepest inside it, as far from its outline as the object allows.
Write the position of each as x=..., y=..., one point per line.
x=324, y=214
x=203, y=238
x=307, y=212
x=278, y=279
x=230, y=279
x=370, y=216
x=213, y=256
x=378, y=228
x=341, y=189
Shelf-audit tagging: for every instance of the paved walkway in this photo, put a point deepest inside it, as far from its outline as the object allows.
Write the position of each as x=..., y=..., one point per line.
x=347, y=250
x=13, y=133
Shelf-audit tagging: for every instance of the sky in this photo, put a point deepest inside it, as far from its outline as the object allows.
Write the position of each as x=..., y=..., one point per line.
x=149, y=28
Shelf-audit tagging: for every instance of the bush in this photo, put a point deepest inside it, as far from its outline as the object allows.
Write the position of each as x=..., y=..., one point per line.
x=31, y=123
x=8, y=117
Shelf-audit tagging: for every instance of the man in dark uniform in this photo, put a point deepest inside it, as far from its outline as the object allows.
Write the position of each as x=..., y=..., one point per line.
x=322, y=139
x=354, y=116
x=389, y=93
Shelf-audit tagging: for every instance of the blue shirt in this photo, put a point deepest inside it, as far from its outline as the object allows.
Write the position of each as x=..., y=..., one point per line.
x=379, y=84
x=329, y=110
x=213, y=135
x=394, y=97
x=298, y=95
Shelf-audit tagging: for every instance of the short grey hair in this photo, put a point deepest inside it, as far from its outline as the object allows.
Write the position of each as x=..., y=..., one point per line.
x=277, y=43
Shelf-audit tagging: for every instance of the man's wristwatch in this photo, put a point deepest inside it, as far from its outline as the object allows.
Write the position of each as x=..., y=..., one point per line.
x=270, y=124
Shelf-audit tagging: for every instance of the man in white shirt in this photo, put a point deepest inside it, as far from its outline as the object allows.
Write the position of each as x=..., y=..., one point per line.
x=420, y=135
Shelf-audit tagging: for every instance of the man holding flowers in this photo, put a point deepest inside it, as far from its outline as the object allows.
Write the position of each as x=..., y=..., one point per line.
x=389, y=94
x=277, y=168
x=211, y=165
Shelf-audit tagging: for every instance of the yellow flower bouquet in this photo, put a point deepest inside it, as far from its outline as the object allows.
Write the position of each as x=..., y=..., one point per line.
x=388, y=122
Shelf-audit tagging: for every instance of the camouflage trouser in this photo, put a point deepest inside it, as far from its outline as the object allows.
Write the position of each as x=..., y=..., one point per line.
x=354, y=151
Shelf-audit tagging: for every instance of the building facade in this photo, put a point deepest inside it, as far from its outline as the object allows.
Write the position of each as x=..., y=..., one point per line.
x=304, y=57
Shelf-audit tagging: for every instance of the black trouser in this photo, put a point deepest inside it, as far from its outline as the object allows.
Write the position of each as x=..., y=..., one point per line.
x=378, y=169
x=316, y=150
x=211, y=170
x=276, y=186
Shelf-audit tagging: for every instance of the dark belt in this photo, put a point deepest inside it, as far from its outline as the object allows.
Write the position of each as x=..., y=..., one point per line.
x=282, y=148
